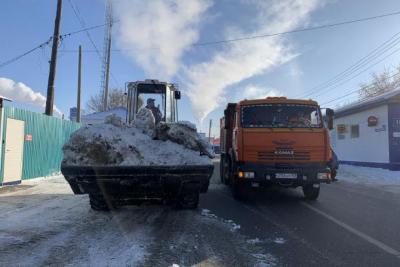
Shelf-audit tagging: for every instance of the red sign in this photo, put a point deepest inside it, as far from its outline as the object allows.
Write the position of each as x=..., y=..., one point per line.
x=28, y=137
x=372, y=121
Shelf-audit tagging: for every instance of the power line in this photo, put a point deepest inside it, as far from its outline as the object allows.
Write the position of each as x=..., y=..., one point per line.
x=5, y=63
x=62, y=36
x=298, y=30
x=355, y=91
x=364, y=70
x=370, y=57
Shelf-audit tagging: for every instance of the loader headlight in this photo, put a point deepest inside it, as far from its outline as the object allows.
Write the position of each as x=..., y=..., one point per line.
x=246, y=175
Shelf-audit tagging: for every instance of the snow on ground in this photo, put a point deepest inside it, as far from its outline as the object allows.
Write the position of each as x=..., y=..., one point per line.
x=43, y=223
x=367, y=175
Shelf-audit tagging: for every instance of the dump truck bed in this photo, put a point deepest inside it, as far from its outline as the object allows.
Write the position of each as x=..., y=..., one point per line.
x=129, y=183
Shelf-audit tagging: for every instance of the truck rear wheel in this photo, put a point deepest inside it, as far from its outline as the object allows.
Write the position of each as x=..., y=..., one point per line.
x=98, y=203
x=311, y=191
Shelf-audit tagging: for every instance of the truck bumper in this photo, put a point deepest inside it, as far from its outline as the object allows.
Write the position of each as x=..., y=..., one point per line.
x=274, y=174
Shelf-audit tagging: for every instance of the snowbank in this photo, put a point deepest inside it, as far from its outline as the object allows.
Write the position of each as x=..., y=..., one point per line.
x=143, y=143
x=367, y=175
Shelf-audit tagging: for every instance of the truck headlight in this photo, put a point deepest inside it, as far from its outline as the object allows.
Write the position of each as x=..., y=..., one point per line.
x=323, y=175
x=246, y=175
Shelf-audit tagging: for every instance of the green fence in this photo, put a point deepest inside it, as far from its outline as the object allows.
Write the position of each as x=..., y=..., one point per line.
x=43, y=154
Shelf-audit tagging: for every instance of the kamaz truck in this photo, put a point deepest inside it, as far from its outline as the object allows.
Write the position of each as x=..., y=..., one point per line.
x=275, y=142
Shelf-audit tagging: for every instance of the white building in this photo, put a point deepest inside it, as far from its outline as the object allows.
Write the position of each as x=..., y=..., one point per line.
x=98, y=117
x=367, y=133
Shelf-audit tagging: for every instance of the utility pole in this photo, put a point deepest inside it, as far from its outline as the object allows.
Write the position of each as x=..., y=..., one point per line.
x=78, y=99
x=53, y=62
x=209, y=131
x=107, y=72
x=105, y=67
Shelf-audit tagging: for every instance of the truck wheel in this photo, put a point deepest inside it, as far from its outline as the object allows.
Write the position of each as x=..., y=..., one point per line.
x=189, y=200
x=221, y=170
x=98, y=203
x=239, y=191
x=311, y=192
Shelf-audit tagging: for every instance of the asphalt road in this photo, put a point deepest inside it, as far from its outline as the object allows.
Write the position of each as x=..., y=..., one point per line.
x=43, y=224
x=349, y=225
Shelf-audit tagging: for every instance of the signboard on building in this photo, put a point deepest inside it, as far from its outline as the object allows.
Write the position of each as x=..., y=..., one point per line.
x=372, y=121
x=341, y=128
x=28, y=137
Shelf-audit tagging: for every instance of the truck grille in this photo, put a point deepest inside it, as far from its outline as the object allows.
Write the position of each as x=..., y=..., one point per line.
x=271, y=155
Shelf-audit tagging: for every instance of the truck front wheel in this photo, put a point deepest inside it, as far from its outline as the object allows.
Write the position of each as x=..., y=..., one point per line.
x=311, y=191
x=239, y=190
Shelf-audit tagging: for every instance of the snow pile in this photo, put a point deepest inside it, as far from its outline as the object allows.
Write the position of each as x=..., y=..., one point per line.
x=367, y=175
x=140, y=144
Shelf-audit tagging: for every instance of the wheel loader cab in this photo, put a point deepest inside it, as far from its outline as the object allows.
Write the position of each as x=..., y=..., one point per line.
x=160, y=97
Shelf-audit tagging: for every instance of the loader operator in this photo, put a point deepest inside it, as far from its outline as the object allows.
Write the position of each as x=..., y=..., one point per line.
x=155, y=110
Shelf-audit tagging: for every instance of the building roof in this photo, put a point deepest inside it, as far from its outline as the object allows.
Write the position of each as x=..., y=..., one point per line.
x=372, y=102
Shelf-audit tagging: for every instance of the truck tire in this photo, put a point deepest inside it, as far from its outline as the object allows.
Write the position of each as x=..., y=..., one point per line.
x=221, y=170
x=189, y=200
x=98, y=203
x=311, y=192
x=239, y=191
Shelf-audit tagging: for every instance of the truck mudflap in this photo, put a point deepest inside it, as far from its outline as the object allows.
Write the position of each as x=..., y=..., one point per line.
x=137, y=182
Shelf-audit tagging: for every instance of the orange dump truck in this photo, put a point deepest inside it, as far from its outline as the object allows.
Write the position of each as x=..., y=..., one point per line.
x=275, y=141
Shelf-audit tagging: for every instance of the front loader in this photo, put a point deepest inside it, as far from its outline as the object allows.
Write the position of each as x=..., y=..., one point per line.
x=110, y=186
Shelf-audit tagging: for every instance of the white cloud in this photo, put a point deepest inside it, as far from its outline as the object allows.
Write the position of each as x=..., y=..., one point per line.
x=158, y=32
x=256, y=92
x=19, y=92
x=207, y=81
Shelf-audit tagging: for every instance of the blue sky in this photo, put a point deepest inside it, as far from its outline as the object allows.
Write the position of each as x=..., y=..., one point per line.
x=158, y=36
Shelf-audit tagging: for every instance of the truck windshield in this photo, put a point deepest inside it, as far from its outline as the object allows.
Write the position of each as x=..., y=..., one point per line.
x=280, y=116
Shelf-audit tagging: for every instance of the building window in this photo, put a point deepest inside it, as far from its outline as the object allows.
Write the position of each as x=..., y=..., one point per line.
x=355, y=131
x=341, y=136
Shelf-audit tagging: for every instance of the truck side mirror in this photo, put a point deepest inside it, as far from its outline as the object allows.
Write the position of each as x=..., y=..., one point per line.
x=177, y=94
x=329, y=116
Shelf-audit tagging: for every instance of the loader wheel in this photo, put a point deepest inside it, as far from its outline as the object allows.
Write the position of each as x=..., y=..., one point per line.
x=98, y=203
x=311, y=191
x=189, y=200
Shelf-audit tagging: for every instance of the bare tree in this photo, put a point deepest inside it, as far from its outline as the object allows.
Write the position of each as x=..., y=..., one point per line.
x=116, y=98
x=381, y=83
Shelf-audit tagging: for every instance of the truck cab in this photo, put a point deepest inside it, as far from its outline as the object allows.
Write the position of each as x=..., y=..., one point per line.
x=275, y=141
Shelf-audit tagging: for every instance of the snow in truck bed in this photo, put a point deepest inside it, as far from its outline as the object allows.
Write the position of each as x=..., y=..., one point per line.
x=110, y=144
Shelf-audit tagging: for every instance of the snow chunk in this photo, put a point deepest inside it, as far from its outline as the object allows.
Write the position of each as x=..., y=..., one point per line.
x=107, y=144
x=279, y=240
x=145, y=121
x=254, y=241
x=185, y=135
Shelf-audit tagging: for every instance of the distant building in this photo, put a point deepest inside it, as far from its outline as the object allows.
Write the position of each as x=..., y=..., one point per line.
x=73, y=112
x=367, y=133
x=98, y=117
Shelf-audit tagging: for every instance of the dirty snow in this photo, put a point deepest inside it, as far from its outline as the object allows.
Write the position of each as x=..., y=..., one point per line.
x=44, y=224
x=367, y=175
x=279, y=240
x=109, y=144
